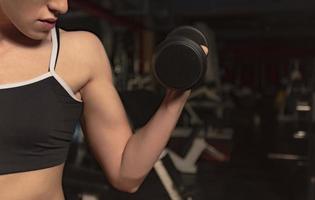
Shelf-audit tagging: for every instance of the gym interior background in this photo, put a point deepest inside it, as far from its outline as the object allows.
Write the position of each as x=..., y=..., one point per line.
x=247, y=131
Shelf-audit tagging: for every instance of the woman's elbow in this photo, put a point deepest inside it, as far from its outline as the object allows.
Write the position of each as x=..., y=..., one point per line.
x=130, y=190
x=127, y=187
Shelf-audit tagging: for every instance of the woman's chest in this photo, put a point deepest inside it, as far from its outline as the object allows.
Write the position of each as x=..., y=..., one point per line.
x=22, y=66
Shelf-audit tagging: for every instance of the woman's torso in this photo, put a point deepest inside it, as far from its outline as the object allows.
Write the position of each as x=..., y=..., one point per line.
x=43, y=183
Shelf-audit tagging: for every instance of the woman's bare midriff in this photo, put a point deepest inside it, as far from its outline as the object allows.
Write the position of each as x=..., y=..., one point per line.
x=43, y=184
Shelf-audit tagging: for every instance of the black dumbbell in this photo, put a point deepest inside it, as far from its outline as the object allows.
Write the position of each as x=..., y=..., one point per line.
x=180, y=62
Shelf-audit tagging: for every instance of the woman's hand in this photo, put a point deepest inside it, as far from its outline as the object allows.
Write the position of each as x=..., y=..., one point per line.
x=175, y=99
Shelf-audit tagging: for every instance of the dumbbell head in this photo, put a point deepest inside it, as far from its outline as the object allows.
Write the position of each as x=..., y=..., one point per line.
x=190, y=33
x=180, y=62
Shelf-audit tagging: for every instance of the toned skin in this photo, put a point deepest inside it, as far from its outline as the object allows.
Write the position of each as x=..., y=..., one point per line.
x=125, y=157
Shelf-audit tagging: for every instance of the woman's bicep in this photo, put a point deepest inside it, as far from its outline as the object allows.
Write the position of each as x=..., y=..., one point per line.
x=105, y=123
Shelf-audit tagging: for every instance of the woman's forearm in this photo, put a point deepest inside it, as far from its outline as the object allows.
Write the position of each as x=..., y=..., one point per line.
x=145, y=146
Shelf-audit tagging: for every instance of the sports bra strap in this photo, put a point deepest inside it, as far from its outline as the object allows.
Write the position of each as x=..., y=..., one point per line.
x=55, y=37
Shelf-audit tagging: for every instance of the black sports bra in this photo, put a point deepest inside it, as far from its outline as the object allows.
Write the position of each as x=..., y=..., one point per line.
x=37, y=119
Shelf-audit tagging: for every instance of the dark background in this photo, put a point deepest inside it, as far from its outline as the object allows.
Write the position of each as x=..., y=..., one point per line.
x=257, y=46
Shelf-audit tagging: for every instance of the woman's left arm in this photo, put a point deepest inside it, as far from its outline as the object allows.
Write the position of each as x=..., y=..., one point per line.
x=125, y=158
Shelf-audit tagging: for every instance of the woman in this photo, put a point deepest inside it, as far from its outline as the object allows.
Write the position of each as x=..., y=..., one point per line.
x=41, y=99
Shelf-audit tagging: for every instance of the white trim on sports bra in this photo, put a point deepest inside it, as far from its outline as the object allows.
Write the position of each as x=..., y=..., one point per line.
x=51, y=73
x=53, y=60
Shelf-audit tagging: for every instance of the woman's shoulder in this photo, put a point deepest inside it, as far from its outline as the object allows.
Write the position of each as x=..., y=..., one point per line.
x=84, y=49
x=86, y=52
x=84, y=41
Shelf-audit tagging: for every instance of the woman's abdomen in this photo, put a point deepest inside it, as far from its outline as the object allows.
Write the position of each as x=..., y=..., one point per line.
x=43, y=184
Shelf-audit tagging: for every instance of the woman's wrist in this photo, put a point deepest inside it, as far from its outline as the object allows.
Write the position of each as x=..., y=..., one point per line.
x=175, y=99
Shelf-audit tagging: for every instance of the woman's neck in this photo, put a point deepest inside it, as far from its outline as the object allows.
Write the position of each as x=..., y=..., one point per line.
x=6, y=27
x=11, y=36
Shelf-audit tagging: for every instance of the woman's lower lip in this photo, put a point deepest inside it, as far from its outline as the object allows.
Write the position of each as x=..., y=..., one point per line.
x=47, y=25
